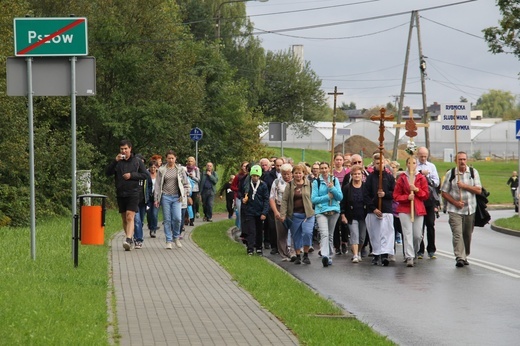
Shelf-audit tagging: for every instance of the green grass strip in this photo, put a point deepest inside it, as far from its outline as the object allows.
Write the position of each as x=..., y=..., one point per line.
x=294, y=303
x=512, y=223
x=47, y=301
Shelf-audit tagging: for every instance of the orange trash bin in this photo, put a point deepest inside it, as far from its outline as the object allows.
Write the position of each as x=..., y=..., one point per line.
x=92, y=228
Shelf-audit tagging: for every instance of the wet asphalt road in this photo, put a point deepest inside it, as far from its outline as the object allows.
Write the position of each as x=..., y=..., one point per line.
x=433, y=303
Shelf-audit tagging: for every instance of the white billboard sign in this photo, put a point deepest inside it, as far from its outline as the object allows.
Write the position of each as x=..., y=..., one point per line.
x=456, y=120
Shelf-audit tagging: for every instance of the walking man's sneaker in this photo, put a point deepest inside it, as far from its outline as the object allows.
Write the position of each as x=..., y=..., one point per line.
x=127, y=244
x=138, y=245
x=178, y=243
x=169, y=245
x=152, y=234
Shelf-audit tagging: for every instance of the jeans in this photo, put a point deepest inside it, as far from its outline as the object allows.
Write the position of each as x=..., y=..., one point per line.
x=152, y=215
x=172, y=216
x=138, y=223
x=302, y=230
x=238, y=204
x=358, y=232
x=326, y=224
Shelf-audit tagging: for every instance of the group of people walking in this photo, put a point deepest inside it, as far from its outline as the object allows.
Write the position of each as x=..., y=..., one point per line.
x=349, y=203
x=176, y=188
x=283, y=206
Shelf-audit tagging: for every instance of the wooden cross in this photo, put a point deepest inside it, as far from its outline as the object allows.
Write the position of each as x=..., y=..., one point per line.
x=382, y=117
x=335, y=93
x=411, y=126
x=411, y=131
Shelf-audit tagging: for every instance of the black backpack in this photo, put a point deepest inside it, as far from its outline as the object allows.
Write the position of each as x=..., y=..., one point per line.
x=482, y=216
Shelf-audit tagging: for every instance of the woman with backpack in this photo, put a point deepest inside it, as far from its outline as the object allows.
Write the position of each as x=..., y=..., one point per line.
x=326, y=195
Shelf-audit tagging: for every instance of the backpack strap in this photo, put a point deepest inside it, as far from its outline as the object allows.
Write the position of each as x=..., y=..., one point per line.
x=471, y=173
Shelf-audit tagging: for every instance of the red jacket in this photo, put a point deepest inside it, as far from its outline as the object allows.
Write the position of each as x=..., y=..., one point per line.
x=402, y=191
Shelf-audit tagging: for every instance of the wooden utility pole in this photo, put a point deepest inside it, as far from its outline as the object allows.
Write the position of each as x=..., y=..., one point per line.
x=335, y=93
x=422, y=65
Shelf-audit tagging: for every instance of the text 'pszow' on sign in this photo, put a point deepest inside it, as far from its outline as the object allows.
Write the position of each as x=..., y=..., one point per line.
x=50, y=36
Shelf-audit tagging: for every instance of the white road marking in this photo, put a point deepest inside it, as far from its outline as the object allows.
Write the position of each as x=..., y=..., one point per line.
x=484, y=264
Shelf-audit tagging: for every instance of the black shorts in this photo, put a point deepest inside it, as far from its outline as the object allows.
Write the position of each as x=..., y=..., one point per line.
x=128, y=204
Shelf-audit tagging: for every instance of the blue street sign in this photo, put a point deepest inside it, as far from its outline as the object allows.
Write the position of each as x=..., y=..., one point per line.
x=196, y=134
x=517, y=128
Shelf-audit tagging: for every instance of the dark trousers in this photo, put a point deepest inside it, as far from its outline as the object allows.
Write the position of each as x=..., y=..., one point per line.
x=341, y=233
x=252, y=227
x=195, y=195
x=398, y=229
x=229, y=206
x=270, y=229
x=429, y=224
x=208, y=197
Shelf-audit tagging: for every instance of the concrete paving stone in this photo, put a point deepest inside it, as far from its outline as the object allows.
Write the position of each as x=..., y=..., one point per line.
x=182, y=296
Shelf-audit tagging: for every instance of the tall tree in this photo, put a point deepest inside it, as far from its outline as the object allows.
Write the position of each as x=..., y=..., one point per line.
x=291, y=90
x=504, y=38
x=496, y=103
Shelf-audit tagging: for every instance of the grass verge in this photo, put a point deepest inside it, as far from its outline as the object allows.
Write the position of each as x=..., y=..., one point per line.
x=294, y=303
x=512, y=223
x=47, y=301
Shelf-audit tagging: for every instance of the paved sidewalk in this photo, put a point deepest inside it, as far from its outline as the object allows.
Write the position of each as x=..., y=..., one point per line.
x=183, y=297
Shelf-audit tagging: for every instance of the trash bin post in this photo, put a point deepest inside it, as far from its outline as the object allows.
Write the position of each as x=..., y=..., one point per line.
x=90, y=229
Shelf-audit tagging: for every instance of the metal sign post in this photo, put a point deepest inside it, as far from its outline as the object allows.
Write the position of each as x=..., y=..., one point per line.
x=49, y=37
x=196, y=135
x=518, y=155
x=344, y=132
x=30, y=111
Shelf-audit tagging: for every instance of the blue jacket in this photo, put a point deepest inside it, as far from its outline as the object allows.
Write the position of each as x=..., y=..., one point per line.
x=320, y=195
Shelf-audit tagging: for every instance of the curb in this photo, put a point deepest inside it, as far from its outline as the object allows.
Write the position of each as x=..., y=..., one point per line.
x=505, y=230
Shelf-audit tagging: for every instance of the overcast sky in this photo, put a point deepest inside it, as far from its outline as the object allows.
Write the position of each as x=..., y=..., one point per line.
x=365, y=59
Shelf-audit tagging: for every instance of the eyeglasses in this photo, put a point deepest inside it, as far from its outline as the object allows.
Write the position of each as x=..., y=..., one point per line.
x=354, y=162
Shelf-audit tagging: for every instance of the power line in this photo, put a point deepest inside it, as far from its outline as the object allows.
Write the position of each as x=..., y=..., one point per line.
x=316, y=26
x=473, y=69
x=452, y=28
x=338, y=38
x=281, y=12
x=313, y=9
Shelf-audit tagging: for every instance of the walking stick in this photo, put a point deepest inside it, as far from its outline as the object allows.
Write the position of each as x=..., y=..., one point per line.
x=456, y=170
x=411, y=148
x=382, y=117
